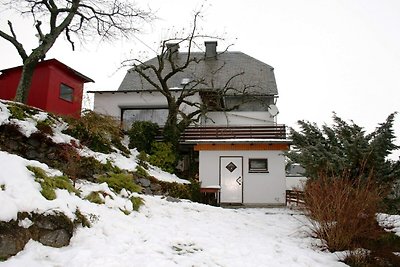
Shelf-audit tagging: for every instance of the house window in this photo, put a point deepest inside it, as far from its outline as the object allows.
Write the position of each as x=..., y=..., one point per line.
x=66, y=92
x=258, y=165
x=156, y=115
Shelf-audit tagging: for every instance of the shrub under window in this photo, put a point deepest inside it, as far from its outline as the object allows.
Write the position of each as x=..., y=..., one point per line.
x=66, y=92
x=258, y=165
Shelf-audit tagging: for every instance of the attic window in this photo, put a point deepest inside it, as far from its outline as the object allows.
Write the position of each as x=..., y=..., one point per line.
x=66, y=92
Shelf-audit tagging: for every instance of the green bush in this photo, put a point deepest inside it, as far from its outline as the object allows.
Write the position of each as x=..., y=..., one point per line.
x=176, y=190
x=96, y=131
x=142, y=159
x=49, y=184
x=142, y=134
x=140, y=171
x=20, y=112
x=117, y=181
x=45, y=126
x=163, y=156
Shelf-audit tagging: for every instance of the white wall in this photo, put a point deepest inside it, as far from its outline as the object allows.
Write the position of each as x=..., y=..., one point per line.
x=237, y=118
x=258, y=188
x=111, y=103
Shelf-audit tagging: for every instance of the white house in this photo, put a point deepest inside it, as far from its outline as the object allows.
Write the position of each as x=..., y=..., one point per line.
x=238, y=146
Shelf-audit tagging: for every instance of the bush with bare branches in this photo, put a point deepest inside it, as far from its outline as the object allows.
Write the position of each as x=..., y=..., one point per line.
x=342, y=210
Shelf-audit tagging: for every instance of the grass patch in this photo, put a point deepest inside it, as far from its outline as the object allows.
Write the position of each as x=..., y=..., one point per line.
x=21, y=112
x=49, y=184
x=95, y=197
x=136, y=202
x=117, y=181
x=82, y=219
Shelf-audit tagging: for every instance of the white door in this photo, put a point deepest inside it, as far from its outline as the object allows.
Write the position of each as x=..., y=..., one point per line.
x=231, y=179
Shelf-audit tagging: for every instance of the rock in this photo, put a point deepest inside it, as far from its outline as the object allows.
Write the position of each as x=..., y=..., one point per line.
x=155, y=187
x=172, y=199
x=144, y=182
x=10, y=245
x=33, y=142
x=31, y=154
x=147, y=191
x=57, y=238
x=51, y=156
x=13, y=145
x=42, y=223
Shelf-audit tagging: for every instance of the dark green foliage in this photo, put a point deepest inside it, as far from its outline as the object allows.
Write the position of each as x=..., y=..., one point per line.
x=345, y=148
x=49, y=184
x=195, y=191
x=163, y=155
x=142, y=159
x=96, y=131
x=177, y=190
x=2, y=187
x=45, y=126
x=184, y=191
x=142, y=134
x=118, y=181
x=141, y=172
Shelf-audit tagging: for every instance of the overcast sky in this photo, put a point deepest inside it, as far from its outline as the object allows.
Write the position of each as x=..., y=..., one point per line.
x=332, y=55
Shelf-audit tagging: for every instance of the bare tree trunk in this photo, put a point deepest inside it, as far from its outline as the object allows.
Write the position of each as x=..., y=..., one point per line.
x=25, y=81
x=171, y=130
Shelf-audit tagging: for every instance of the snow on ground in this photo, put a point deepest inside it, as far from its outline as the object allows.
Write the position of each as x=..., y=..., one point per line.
x=162, y=233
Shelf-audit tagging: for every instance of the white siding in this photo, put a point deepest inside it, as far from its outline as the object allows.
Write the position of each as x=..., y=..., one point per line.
x=258, y=188
x=111, y=103
x=237, y=118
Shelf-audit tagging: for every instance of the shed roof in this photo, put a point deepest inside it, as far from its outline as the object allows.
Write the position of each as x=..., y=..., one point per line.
x=257, y=76
x=57, y=63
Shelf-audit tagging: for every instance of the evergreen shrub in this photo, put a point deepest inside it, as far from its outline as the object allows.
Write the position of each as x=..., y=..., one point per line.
x=142, y=134
x=163, y=155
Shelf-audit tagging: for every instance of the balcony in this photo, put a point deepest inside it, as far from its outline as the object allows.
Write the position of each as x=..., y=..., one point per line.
x=234, y=132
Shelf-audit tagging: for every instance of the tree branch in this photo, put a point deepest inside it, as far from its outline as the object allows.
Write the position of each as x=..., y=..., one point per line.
x=13, y=40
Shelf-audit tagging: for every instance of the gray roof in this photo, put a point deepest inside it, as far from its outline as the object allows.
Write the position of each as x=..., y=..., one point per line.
x=257, y=76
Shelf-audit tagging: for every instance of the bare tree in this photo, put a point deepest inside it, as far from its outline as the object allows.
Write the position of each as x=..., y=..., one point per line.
x=170, y=63
x=105, y=18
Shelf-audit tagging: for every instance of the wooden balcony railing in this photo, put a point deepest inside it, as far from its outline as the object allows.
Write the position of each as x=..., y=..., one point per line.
x=235, y=132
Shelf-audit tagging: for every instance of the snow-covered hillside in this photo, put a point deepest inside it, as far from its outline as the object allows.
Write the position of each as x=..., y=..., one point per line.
x=162, y=233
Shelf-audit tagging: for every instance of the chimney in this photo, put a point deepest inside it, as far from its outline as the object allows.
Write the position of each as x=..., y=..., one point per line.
x=211, y=49
x=172, y=49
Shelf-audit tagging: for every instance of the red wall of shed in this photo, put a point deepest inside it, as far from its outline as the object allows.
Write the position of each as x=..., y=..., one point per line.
x=45, y=89
x=54, y=102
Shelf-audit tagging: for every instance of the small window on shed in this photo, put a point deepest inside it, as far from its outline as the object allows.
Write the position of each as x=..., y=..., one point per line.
x=66, y=92
x=258, y=165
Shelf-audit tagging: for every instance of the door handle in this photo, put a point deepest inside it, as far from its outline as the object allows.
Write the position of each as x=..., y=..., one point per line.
x=239, y=180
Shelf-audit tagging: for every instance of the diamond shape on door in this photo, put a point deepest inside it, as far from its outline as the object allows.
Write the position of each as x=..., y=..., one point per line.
x=231, y=167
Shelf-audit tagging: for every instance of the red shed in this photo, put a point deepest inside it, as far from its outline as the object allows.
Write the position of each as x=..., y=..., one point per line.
x=55, y=87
